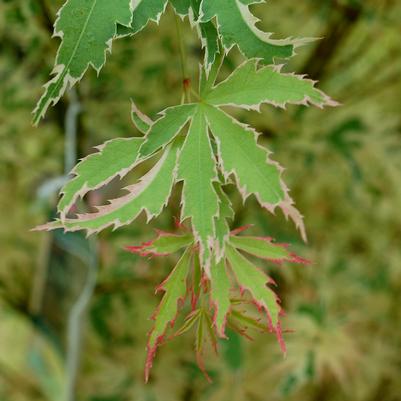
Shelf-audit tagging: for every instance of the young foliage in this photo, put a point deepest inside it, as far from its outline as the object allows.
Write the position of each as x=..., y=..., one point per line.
x=198, y=145
x=212, y=308
x=175, y=290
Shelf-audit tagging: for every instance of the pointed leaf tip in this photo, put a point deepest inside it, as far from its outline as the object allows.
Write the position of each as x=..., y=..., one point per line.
x=86, y=30
x=175, y=291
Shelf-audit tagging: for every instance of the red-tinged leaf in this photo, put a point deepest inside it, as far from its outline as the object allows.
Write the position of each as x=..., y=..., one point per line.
x=241, y=229
x=265, y=248
x=190, y=321
x=247, y=321
x=164, y=244
x=196, y=282
x=210, y=331
x=175, y=290
x=241, y=331
x=199, y=341
x=250, y=278
x=220, y=296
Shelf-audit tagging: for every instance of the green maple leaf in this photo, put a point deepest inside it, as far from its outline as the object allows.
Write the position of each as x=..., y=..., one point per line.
x=249, y=87
x=197, y=170
x=198, y=145
x=232, y=265
x=166, y=128
x=236, y=26
x=207, y=31
x=164, y=244
x=254, y=280
x=182, y=7
x=220, y=296
x=264, y=248
x=115, y=158
x=150, y=195
x=86, y=29
x=221, y=222
x=175, y=290
x=144, y=11
x=194, y=161
x=141, y=121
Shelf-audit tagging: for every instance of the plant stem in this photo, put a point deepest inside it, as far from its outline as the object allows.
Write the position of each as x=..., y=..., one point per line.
x=186, y=82
x=75, y=324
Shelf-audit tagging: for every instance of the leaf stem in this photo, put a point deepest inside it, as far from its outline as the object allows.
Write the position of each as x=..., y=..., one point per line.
x=186, y=81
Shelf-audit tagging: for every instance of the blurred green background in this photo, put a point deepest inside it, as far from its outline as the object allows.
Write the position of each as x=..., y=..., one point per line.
x=343, y=166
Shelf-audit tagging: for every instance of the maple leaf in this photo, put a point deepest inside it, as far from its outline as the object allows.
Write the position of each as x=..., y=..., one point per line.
x=194, y=162
x=222, y=227
x=166, y=128
x=196, y=144
x=151, y=195
x=197, y=170
x=250, y=278
x=207, y=31
x=86, y=30
x=220, y=296
x=144, y=11
x=140, y=120
x=248, y=87
x=164, y=244
x=218, y=288
x=115, y=157
x=236, y=26
x=175, y=291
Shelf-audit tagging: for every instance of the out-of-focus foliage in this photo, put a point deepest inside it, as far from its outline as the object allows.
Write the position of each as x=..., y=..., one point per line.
x=344, y=166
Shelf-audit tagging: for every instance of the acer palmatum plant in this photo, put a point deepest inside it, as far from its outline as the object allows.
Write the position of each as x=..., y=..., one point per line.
x=197, y=143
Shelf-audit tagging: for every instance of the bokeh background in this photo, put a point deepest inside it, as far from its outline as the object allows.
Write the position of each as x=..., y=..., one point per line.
x=344, y=168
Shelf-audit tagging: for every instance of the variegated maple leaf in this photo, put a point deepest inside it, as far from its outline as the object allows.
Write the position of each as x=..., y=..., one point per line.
x=196, y=144
x=234, y=270
x=182, y=137
x=87, y=29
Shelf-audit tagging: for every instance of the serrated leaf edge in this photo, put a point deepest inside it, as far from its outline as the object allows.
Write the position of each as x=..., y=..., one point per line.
x=114, y=204
x=85, y=188
x=306, y=101
x=60, y=71
x=287, y=205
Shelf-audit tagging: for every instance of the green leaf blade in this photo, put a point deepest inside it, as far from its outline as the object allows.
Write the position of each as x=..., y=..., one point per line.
x=249, y=87
x=262, y=248
x=164, y=244
x=220, y=296
x=175, y=290
x=181, y=7
x=210, y=42
x=255, y=173
x=236, y=26
x=166, y=128
x=86, y=29
x=151, y=195
x=222, y=227
x=240, y=154
x=197, y=170
x=249, y=277
x=114, y=158
x=141, y=121
x=145, y=11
